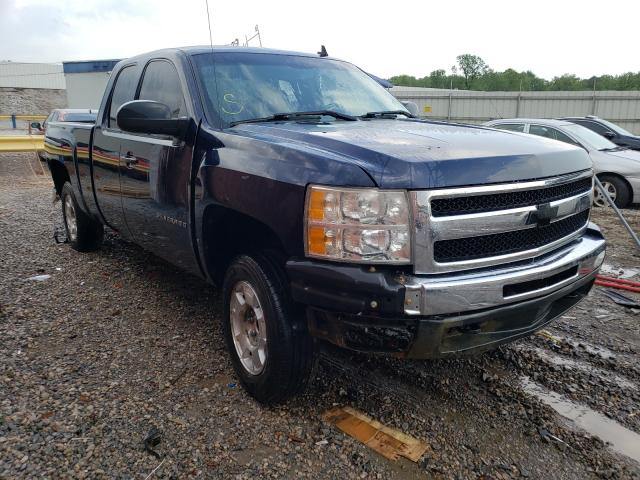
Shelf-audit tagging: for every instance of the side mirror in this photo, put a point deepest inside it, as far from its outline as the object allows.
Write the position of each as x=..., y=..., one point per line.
x=412, y=107
x=609, y=135
x=36, y=125
x=147, y=116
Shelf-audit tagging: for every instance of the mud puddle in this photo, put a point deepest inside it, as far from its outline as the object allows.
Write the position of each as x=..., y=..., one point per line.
x=626, y=272
x=619, y=438
x=584, y=367
x=595, y=350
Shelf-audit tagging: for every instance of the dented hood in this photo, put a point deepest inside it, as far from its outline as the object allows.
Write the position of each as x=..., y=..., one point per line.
x=417, y=154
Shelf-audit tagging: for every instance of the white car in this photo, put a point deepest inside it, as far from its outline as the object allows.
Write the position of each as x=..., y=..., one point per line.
x=618, y=168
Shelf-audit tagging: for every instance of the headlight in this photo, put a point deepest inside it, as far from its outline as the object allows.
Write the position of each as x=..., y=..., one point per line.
x=357, y=225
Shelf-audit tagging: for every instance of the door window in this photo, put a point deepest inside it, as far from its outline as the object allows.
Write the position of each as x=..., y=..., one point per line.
x=162, y=84
x=541, y=131
x=123, y=92
x=50, y=118
x=596, y=127
x=562, y=137
x=550, y=132
x=512, y=127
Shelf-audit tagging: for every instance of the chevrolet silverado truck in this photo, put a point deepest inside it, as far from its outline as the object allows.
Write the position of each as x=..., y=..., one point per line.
x=325, y=211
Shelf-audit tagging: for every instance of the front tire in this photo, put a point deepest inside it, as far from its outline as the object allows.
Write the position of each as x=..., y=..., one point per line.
x=617, y=189
x=270, y=349
x=84, y=233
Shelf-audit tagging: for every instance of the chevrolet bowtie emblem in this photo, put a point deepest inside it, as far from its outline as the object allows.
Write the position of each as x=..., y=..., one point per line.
x=543, y=214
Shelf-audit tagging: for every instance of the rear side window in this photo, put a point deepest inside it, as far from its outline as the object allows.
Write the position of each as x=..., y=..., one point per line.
x=162, y=84
x=123, y=92
x=513, y=127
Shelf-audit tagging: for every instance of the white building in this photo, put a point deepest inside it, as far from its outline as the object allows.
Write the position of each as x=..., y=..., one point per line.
x=31, y=75
x=86, y=81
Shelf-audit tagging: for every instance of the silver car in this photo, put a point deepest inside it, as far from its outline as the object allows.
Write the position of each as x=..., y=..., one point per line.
x=618, y=168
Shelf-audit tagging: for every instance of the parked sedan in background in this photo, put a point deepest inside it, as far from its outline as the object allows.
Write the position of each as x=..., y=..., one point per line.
x=611, y=131
x=618, y=168
x=71, y=115
x=79, y=115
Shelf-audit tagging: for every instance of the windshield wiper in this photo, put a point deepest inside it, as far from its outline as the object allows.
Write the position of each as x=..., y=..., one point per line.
x=387, y=113
x=296, y=115
x=614, y=149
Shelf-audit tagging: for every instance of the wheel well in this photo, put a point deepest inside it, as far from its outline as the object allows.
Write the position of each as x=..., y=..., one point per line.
x=228, y=233
x=59, y=175
x=618, y=176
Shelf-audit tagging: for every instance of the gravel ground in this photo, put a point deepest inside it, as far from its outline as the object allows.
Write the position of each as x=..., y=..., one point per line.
x=117, y=342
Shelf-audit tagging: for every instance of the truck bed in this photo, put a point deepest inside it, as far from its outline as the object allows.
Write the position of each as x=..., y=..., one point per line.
x=67, y=151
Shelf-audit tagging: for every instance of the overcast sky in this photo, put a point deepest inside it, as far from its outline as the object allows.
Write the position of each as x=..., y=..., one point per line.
x=383, y=37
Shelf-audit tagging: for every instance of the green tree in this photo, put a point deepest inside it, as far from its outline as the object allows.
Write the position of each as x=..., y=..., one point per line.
x=404, y=80
x=438, y=79
x=476, y=75
x=566, y=82
x=472, y=67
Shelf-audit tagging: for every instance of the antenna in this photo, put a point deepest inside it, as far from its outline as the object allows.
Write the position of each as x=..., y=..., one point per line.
x=209, y=22
x=247, y=39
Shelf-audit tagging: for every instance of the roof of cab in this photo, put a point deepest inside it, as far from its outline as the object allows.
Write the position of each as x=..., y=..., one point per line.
x=199, y=49
x=230, y=49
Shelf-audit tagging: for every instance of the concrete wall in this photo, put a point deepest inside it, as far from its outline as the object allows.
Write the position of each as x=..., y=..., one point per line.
x=31, y=100
x=85, y=90
x=622, y=108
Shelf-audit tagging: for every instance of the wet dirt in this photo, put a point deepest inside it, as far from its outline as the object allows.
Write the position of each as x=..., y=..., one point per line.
x=621, y=439
x=117, y=341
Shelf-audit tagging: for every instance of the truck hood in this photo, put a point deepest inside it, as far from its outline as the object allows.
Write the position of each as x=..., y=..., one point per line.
x=418, y=154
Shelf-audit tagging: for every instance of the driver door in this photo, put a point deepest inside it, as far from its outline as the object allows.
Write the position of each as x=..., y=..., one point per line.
x=155, y=184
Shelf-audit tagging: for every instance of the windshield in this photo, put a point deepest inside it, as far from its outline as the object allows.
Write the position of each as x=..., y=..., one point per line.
x=588, y=137
x=616, y=128
x=243, y=86
x=78, y=117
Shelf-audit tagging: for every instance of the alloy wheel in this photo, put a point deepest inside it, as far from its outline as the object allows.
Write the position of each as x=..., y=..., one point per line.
x=70, y=218
x=599, y=199
x=248, y=327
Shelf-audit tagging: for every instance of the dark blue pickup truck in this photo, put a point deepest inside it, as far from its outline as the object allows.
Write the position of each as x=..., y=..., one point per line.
x=325, y=211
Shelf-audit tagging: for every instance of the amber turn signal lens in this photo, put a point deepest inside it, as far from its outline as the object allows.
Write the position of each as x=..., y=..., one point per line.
x=316, y=240
x=316, y=205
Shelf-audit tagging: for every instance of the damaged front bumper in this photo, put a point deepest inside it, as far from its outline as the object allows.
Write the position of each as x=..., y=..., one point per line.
x=428, y=316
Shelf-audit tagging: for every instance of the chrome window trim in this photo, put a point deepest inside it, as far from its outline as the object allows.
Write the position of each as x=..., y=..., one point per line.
x=429, y=229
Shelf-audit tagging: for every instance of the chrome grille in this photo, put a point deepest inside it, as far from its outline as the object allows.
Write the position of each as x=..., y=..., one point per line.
x=509, y=242
x=441, y=207
x=517, y=221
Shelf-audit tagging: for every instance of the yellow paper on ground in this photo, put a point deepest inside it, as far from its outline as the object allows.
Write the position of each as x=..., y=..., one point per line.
x=387, y=441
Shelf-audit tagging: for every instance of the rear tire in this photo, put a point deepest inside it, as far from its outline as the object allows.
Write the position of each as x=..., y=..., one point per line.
x=266, y=337
x=618, y=190
x=84, y=233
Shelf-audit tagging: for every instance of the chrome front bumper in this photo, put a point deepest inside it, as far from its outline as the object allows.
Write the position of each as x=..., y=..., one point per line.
x=469, y=291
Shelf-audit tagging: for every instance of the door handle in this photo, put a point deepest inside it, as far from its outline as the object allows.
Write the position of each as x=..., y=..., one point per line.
x=129, y=160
